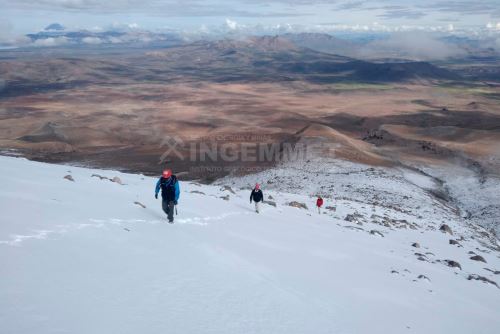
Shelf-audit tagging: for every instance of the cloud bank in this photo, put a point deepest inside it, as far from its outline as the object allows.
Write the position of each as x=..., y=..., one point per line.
x=413, y=45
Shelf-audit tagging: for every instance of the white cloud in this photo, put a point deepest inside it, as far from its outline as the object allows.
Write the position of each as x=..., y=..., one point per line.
x=115, y=40
x=123, y=27
x=493, y=26
x=232, y=25
x=51, y=41
x=96, y=29
x=92, y=40
x=413, y=45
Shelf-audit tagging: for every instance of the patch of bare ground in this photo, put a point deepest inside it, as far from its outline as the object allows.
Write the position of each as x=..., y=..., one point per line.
x=119, y=110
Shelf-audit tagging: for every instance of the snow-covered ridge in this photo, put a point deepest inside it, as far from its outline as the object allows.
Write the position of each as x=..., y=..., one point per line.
x=83, y=254
x=433, y=195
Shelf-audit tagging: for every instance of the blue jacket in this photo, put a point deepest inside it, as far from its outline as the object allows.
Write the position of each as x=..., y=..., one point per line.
x=170, y=189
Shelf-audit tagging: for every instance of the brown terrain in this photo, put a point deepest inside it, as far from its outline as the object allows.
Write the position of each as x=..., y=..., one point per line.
x=118, y=108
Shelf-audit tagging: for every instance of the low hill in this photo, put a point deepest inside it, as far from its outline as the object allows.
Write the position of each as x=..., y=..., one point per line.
x=324, y=43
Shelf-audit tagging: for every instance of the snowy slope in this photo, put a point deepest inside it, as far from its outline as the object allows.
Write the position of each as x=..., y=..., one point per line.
x=81, y=257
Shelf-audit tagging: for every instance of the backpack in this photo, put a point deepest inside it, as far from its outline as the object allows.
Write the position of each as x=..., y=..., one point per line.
x=168, y=188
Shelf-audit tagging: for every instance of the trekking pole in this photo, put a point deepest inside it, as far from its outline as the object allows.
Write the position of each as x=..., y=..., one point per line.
x=176, y=210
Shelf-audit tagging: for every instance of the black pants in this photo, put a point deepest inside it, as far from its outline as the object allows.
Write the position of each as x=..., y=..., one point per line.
x=168, y=208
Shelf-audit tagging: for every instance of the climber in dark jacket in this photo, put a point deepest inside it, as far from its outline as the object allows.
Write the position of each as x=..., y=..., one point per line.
x=170, y=192
x=257, y=196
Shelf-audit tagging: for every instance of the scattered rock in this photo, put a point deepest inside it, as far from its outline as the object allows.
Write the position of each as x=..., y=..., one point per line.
x=375, y=232
x=100, y=177
x=69, y=178
x=496, y=272
x=393, y=223
x=481, y=278
x=140, y=204
x=453, y=264
x=415, y=244
x=297, y=205
x=445, y=229
x=226, y=198
x=228, y=188
x=197, y=192
x=403, y=223
x=482, y=250
x=421, y=257
x=268, y=202
x=354, y=218
x=350, y=218
x=454, y=242
x=331, y=208
x=116, y=179
x=270, y=197
x=424, y=277
x=394, y=272
x=354, y=228
x=126, y=229
x=478, y=258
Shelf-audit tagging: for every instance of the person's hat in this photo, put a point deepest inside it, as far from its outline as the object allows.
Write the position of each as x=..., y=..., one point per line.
x=167, y=173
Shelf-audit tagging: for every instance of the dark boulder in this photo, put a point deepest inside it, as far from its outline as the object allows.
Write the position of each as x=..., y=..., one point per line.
x=424, y=277
x=375, y=232
x=298, y=205
x=445, y=229
x=453, y=264
x=483, y=279
x=478, y=258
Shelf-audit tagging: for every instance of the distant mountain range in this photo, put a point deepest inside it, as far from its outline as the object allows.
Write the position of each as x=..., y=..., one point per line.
x=415, y=47
x=277, y=58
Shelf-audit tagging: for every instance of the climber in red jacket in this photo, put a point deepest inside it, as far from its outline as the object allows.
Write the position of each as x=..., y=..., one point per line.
x=319, y=204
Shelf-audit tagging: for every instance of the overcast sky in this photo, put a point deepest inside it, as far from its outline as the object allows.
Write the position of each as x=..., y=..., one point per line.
x=22, y=16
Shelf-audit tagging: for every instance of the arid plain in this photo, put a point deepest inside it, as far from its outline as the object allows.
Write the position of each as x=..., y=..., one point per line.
x=119, y=107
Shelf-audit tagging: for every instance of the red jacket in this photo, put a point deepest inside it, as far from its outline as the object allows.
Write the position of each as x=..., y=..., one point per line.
x=319, y=202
